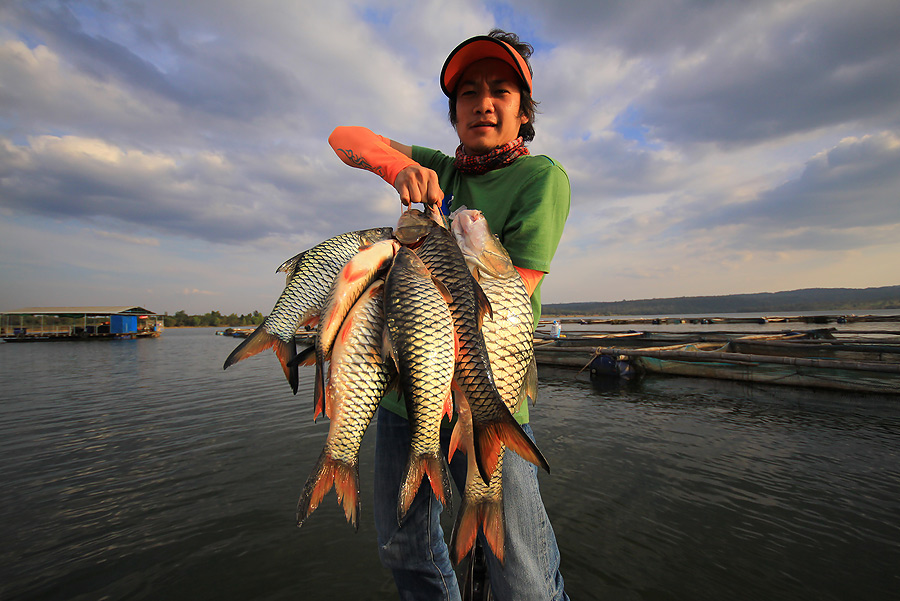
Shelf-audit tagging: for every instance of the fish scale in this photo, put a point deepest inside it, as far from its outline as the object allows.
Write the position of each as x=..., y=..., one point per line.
x=358, y=378
x=420, y=329
x=508, y=334
x=355, y=277
x=309, y=278
x=358, y=375
x=493, y=423
x=441, y=254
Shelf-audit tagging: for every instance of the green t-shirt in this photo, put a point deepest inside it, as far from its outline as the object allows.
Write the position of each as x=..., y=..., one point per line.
x=526, y=204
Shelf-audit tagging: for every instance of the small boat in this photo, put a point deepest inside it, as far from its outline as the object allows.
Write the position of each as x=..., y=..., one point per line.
x=235, y=332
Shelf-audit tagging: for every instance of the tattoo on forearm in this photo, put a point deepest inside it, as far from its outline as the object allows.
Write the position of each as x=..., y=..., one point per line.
x=361, y=162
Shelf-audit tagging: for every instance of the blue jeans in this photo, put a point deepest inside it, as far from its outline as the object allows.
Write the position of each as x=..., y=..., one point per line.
x=416, y=552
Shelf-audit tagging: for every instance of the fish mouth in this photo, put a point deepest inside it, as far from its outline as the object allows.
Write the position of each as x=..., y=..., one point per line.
x=466, y=220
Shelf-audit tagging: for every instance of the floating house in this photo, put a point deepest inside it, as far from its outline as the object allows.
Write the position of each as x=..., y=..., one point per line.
x=32, y=324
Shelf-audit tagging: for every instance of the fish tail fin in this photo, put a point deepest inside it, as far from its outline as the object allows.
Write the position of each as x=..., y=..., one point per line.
x=486, y=514
x=346, y=485
x=417, y=467
x=440, y=480
x=464, y=531
x=255, y=343
x=488, y=439
x=286, y=351
x=261, y=340
x=317, y=486
x=409, y=486
x=493, y=527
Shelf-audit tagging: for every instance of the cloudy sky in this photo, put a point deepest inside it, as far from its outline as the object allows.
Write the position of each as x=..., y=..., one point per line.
x=172, y=154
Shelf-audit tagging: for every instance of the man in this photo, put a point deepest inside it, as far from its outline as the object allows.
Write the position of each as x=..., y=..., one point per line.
x=525, y=200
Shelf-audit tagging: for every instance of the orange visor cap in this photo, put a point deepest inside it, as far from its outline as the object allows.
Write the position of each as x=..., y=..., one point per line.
x=475, y=49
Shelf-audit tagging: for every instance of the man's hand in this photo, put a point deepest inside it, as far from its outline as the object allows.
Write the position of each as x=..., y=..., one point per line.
x=418, y=184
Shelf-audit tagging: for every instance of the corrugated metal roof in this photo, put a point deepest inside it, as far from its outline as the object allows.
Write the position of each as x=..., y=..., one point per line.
x=130, y=309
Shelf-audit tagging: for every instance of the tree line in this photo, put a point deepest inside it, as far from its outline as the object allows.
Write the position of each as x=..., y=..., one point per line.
x=809, y=299
x=212, y=319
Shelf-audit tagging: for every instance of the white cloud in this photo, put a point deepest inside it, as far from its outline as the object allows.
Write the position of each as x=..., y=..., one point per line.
x=712, y=147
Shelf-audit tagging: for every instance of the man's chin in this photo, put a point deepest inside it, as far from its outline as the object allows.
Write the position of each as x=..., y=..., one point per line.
x=477, y=149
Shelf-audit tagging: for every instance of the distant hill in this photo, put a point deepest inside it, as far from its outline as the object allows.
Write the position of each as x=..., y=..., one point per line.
x=809, y=299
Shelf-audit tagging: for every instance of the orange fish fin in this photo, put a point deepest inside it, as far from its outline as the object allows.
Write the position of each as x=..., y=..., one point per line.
x=253, y=344
x=455, y=438
x=409, y=485
x=440, y=480
x=448, y=405
x=346, y=485
x=418, y=466
x=493, y=527
x=487, y=449
x=317, y=486
x=286, y=351
x=515, y=438
x=464, y=531
x=461, y=437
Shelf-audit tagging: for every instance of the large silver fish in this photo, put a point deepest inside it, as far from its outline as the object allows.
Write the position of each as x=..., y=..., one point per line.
x=420, y=329
x=346, y=289
x=509, y=331
x=358, y=378
x=493, y=424
x=309, y=278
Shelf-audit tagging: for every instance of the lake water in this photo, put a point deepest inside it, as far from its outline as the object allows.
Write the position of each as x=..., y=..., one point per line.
x=142, y=470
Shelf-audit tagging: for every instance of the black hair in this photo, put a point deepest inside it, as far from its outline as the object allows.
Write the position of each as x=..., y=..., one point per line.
x=527, y=104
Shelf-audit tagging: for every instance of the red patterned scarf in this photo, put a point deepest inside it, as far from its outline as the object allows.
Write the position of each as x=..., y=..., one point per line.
x=495, y=159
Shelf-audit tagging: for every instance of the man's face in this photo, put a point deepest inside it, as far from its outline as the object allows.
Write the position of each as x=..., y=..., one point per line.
x=488, y=106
